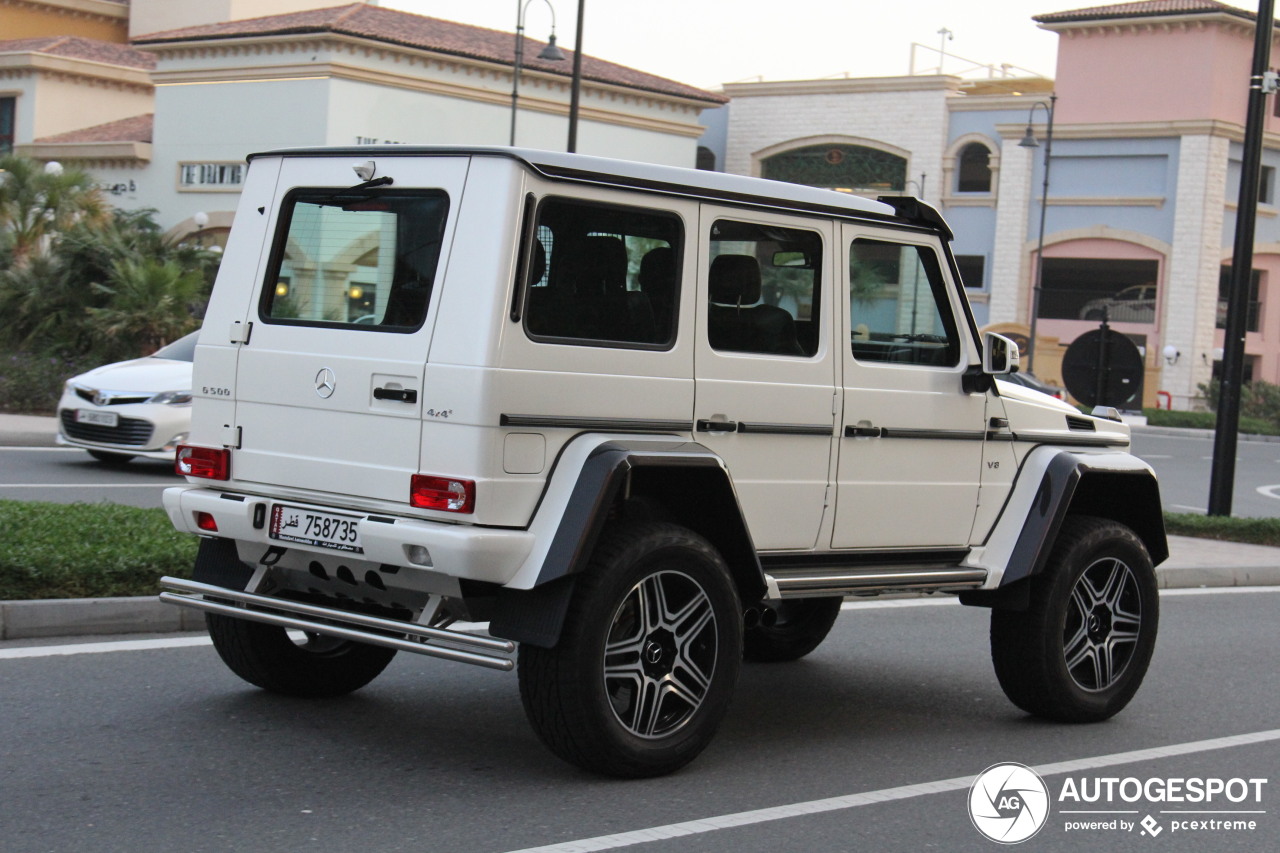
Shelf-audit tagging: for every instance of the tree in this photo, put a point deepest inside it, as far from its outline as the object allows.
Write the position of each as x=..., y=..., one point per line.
x=149, y=303
x=37, y=203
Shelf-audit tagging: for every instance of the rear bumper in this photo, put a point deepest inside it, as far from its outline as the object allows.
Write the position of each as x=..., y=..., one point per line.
x=454, y=550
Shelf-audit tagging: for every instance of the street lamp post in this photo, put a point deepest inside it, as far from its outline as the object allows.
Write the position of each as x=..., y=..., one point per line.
x=550, y=53
x=1029, y=141
x=575, y=91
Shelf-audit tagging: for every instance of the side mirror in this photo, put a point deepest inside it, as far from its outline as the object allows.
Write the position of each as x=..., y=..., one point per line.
x=999, y=355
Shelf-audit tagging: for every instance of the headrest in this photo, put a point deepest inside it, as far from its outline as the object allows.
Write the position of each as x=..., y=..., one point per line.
x=735, y=280
x=657, y=270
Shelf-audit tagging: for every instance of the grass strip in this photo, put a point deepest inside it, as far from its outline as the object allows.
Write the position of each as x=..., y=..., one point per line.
x=88, y=550
x=1253, y=531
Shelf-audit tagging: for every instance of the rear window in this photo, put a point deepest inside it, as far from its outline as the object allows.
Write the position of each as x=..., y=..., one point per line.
x=356, y=260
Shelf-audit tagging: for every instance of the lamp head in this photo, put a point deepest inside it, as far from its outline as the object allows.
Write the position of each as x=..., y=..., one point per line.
x=1029, y=139
x=551, y=53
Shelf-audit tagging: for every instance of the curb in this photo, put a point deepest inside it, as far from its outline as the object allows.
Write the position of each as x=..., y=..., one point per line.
x=75, y=617
x=72, y=617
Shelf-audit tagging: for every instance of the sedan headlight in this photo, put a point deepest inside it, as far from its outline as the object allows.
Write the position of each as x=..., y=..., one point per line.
x=172, y=398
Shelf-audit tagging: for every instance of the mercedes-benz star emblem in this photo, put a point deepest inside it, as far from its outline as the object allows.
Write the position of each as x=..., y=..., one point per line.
x=326, y=383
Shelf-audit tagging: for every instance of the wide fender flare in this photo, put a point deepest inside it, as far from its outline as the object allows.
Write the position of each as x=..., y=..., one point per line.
x=1054, y=482
x=591, y=476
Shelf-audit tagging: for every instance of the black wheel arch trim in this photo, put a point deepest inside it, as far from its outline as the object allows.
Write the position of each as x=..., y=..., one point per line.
x=1070, y=485
x=612, y=467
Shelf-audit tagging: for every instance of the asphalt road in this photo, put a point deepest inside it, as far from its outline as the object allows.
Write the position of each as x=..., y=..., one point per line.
x=1183, y=463
x=162, y=749
x=68, y=475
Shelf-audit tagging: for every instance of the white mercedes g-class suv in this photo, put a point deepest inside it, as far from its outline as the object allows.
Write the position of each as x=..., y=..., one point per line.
x=643, y=421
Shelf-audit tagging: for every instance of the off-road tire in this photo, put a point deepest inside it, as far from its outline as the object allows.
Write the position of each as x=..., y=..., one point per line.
x=803, y=623
x=265, y=656
x=658, y=608
x=1080, y=651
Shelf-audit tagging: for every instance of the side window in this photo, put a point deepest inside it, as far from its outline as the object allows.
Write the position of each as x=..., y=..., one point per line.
x=603, y=275
x=764, y=289
x=351, y=260
x=898, y=308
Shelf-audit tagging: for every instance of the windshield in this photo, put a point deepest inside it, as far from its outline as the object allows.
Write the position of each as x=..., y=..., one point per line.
x=183, y=349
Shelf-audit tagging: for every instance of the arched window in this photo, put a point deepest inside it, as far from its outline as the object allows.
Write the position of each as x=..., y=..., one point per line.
x=974, y=175
x=838, y=167
x=706, y=159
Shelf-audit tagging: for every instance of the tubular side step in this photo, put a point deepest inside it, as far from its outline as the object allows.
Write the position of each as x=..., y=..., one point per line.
x=375, y=630
x=801, y=583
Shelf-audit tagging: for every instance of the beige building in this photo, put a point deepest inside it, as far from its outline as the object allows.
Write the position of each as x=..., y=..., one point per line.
x=166, y=119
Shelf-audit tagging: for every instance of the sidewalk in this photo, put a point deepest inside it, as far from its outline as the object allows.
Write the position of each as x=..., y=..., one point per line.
x=27, y=431
x=1192, y=563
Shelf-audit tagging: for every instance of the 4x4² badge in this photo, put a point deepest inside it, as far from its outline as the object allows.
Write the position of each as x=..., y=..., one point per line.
x=326, y=383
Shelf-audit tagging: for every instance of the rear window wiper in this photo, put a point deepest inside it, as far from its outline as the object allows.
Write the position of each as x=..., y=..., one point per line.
x=351, y=195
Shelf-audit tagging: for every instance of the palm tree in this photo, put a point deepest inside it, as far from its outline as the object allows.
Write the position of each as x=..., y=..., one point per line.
x=149, y=303
x=37, y=203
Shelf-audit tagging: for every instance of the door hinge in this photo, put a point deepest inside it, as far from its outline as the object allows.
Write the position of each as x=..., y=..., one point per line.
x=826, y=498
x=240, y=332
x=231, y=436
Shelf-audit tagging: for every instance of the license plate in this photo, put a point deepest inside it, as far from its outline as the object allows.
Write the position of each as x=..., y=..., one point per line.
x=88, y=416
x=309, y=527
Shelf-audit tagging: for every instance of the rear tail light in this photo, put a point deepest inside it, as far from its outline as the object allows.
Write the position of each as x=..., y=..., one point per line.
x=209, y=463
x=442, y=493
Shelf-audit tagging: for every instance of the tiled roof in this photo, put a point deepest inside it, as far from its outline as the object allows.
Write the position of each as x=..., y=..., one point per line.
x=1144, y=9
x=431, y=34
x=134, y=129
x=74, y=47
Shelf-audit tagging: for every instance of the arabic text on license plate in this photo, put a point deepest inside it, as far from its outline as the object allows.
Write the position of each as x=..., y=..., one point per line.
x=325, y=529
x=88, y=416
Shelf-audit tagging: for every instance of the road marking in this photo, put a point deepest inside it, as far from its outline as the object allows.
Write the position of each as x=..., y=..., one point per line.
x=42, y=449
x=1155, y=456
x=1268, y=491
x=87, y=485
x=100, y=648
x=924, y=789
x=1218, y=590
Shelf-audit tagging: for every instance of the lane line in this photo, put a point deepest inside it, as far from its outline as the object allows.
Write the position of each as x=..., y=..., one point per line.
x=41, y=449
x=960, y=783
x=101, y=648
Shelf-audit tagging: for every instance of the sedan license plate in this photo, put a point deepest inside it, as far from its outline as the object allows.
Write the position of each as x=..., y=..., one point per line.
x=105, y=419
x=309, y=527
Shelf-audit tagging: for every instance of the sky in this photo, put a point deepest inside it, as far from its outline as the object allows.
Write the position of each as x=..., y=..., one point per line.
x=707, y=43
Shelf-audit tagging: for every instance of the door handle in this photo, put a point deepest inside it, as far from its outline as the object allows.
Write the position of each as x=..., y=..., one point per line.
x=717, y=426
x=862, y=432
x=400, y=395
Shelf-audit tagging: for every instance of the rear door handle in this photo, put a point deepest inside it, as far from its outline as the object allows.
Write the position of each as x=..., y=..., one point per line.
x=717, y=426
x=400, y=395
x=862, y=432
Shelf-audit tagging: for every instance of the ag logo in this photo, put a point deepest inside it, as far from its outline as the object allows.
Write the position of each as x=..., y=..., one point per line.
x=1008, y=803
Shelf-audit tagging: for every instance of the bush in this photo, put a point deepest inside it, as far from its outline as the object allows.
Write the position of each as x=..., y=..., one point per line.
x=88, y=550
x=32, y=384
x=1258, y=400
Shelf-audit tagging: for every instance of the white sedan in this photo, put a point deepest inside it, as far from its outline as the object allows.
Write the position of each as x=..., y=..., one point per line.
x=131, y=408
